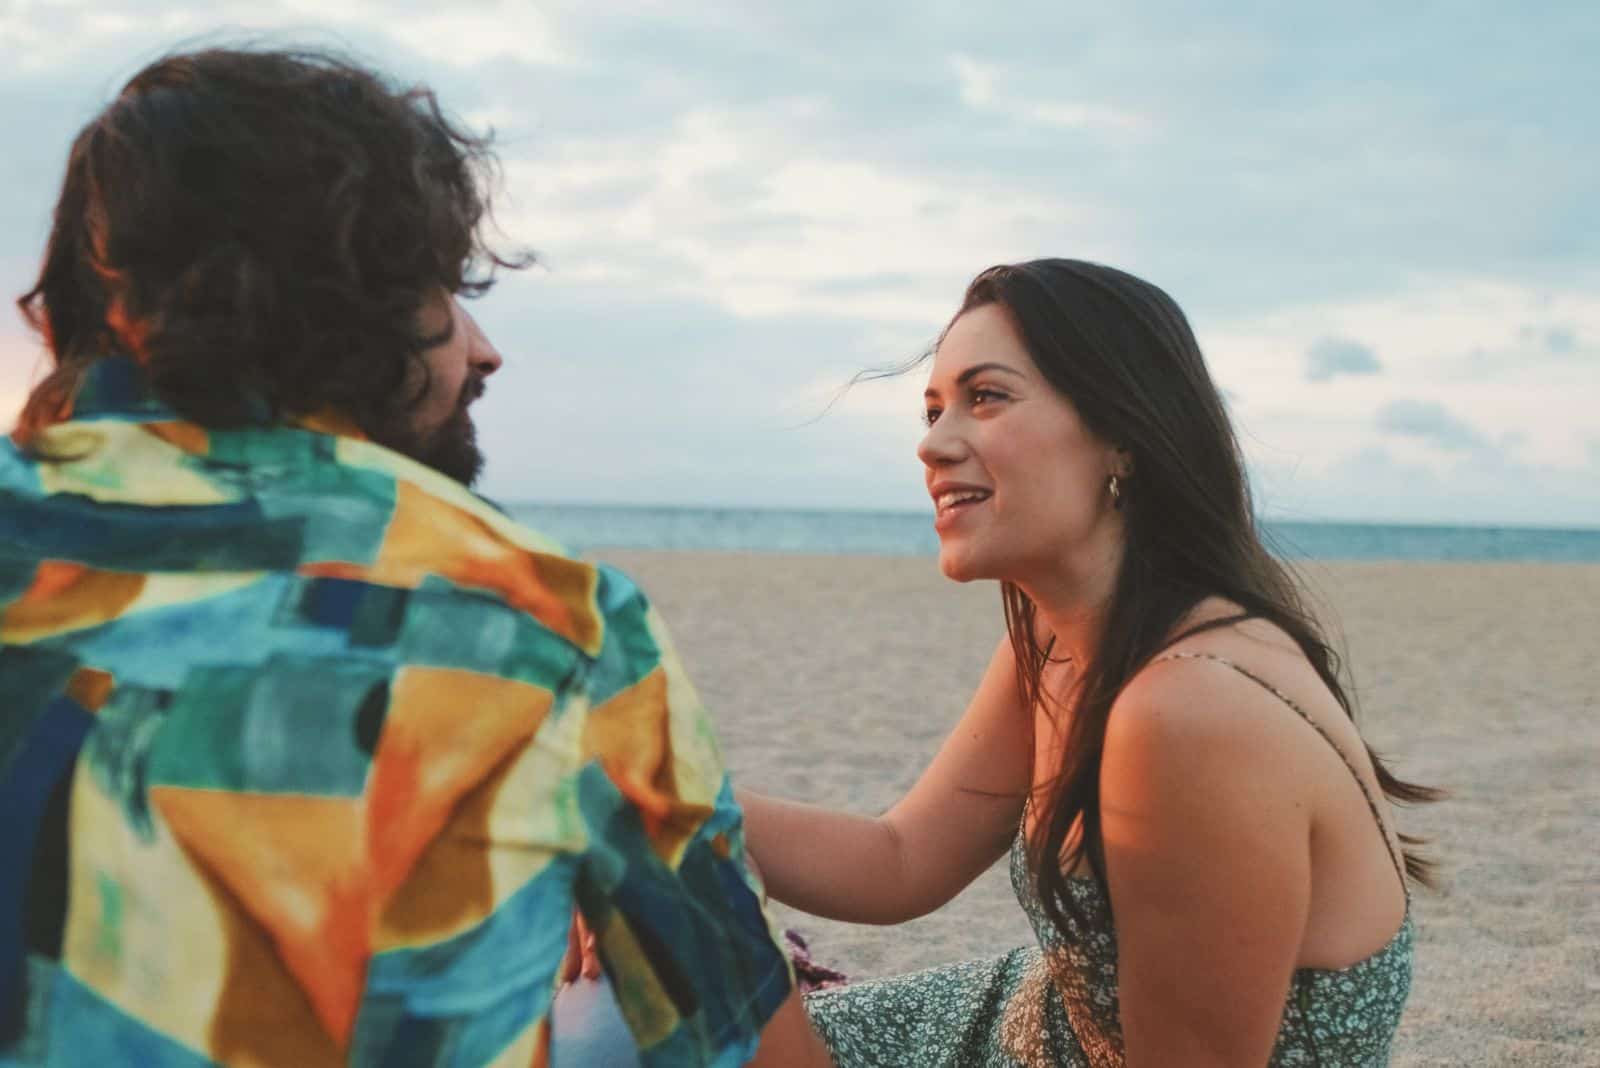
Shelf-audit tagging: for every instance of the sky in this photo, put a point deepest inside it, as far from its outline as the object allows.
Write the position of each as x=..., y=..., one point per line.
x=1381, y=220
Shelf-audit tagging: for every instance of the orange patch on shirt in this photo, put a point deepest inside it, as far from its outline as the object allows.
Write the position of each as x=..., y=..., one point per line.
x=451, y=887
x=429, y=536
x=190, y=437
x=262, y=1016
x=630, y=735
x=445, y=733
x=65, y=597
x=332, y=421
x=297, y=864
x=541, y=1044
x=336, y=570
x=90, y=687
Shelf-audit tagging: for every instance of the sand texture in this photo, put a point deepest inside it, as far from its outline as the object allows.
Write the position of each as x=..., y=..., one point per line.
x=833, y=680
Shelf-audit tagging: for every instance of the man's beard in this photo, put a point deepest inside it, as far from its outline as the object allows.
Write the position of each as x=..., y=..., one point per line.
x=452, y=448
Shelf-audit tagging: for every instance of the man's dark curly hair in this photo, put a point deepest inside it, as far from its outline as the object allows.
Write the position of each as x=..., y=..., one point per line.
x=259, y=230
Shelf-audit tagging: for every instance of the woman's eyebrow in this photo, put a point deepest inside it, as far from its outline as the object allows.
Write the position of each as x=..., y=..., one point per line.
x=975, y=369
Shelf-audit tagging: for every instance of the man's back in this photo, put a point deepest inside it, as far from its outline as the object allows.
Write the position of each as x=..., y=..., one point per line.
x=335, y=749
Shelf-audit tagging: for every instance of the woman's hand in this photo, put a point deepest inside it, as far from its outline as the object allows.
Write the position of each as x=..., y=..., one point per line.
x=957, y=820
x=582, y=957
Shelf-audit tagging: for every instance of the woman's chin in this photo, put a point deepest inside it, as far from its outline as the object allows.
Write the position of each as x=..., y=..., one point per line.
x=956, y=565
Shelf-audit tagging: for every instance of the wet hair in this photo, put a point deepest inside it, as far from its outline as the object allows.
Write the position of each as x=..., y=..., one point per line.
x=259, y=230
x=1122, y=352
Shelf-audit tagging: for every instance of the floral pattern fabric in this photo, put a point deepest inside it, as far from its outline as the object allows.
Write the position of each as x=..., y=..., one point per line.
x=1056, y=1004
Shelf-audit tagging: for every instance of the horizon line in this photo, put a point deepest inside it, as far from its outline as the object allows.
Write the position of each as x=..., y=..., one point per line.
x=1554, y=527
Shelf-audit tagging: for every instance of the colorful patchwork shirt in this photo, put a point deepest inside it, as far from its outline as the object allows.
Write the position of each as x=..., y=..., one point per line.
x=307, y=755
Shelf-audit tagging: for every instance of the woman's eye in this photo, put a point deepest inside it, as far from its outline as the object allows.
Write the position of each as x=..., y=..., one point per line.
x=930, y=416
x=980, y=397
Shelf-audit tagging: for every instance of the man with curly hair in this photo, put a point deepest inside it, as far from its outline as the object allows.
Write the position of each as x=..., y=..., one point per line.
x=307, y=753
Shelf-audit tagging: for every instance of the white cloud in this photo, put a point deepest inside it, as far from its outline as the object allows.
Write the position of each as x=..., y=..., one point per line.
x=977, y=81
x=1087, y=115
x=1384, y=484
x=1522, y=399
x=1331, y=357
x=44, y=35
x=981, y=88
x=1561, y=339
x=890, y=406
x=461, y=35
x=1431, y=422
x=797, y=194
x=762, y=230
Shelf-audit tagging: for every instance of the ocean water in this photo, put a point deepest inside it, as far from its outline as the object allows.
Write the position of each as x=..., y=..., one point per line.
x=587, y=527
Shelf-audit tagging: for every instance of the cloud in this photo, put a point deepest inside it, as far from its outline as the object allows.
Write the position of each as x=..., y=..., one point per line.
x=1375, y=483
x=981, y=89
x=46, y=35
x=1517, y=397
x=1557, y=339
x=1333, y=356
x=462, y=36
x=1431, y=422
x=611, y=395
x=740, y=205
x=735, y=205
x=1561, y=339
x=977, y=81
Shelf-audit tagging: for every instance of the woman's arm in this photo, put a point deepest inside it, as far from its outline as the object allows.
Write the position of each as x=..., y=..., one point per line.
x=955, y=822
x=788, y=1040
x=1206, y=821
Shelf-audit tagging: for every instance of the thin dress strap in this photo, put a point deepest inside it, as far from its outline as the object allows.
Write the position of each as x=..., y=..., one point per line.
x=1372, y=804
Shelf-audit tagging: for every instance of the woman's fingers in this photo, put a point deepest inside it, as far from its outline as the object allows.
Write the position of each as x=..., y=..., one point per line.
x=572, y=963
x=591, y=955
x=583, y=955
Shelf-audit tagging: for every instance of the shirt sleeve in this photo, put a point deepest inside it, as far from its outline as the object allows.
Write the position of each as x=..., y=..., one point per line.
x=664, y=883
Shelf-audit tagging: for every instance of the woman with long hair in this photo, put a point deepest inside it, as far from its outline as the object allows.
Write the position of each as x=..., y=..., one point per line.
x=1162, y=742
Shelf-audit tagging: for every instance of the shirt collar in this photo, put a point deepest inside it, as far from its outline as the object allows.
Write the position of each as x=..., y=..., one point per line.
x=116, y=387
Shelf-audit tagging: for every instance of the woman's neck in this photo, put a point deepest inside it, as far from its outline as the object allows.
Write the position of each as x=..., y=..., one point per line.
x=1071, y=599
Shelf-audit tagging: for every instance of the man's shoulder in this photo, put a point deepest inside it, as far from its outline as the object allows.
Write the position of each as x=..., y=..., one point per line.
x=457, y=511
x=141, y=498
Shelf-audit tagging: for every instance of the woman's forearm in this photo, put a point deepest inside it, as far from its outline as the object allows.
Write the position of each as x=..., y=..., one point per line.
x=833, y=864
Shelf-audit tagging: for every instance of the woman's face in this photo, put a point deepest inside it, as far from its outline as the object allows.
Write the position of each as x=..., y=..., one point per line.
x=1019, y=483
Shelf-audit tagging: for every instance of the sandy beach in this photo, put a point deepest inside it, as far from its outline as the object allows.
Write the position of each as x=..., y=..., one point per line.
x=833, y=679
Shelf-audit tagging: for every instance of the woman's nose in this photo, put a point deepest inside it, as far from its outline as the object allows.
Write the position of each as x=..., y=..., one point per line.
x=940, y=445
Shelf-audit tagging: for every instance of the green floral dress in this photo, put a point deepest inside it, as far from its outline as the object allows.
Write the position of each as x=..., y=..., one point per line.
x=1056, y=1004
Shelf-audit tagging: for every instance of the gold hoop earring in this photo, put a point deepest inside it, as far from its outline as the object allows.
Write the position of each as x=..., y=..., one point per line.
x=1116, y=492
